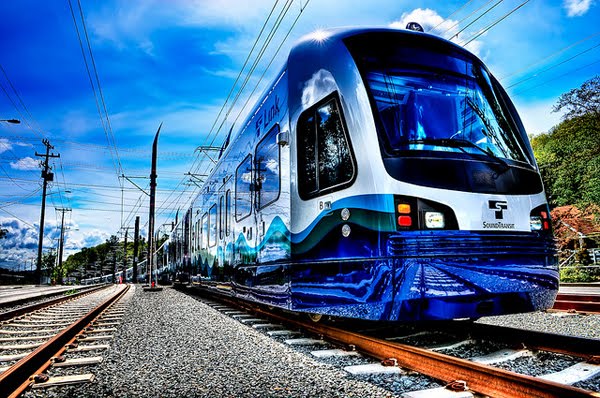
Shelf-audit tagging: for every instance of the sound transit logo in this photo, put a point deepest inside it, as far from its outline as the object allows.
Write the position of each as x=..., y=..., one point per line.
x=498, y=206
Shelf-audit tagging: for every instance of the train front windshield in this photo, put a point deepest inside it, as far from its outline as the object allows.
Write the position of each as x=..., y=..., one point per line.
x=437, y=99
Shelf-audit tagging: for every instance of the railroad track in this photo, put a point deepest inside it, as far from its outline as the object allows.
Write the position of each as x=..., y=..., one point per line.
x=17, y=297
x=579, y=302
x=44, y=338
x=20, y=307
x=486, y=375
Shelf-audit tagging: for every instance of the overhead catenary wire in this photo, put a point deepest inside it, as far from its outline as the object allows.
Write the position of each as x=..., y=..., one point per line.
x=249, y=73
x=484, y=30
x=553, y=66
x=178, y=199
x=550, y=56
x=569, y=72
x=451, y=14
x=455, y=35
x=192, y=195
x=27, y=117
x=98, y=96
x=465, y=18
x=96, y=88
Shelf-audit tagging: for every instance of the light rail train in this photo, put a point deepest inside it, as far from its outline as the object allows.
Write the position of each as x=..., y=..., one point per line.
x=384, y=175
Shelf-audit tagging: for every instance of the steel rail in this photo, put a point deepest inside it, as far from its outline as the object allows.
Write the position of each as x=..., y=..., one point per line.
x=580, y=302
x=480, y=378
x=33, y=307
x=18, y=377
x=543, y=341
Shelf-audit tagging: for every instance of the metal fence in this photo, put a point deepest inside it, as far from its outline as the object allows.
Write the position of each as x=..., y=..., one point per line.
x=569, y=260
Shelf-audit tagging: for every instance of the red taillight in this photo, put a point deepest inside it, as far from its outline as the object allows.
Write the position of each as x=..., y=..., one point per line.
x=405, y=221
x=545, y=220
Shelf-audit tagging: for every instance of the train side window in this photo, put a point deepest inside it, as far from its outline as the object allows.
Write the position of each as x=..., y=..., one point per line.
x=204, y=231
x=267, y=168
x=221, y=216
x=212, y=226
x=196, y=235
x=325, y=159
x=227, y=212
x=243, y=194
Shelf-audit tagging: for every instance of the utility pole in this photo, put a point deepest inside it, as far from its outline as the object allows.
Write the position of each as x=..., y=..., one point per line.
x=125, y=256
x=114, y=265
x=61, y=243
x=46, y=177
x=136, y=241
x=153, y=176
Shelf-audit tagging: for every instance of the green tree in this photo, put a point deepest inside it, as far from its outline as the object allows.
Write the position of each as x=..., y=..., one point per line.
x=581, y=101
x=569, y=155
x=49, y=267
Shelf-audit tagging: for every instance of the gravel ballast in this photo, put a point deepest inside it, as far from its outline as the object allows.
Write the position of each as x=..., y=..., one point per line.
x=171, y=345
x=579, y=325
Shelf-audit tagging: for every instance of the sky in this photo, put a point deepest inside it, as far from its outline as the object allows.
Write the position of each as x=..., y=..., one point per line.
x=96, y=79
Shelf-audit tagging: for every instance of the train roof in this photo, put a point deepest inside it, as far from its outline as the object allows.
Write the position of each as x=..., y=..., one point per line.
x=320, y=40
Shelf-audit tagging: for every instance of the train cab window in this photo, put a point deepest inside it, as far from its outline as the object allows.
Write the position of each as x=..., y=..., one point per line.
x=243, y=193
x=227, y=212
x=267, y=169
x=221, y=216
x=325, y=159
x=204, y=232
x=212, y=226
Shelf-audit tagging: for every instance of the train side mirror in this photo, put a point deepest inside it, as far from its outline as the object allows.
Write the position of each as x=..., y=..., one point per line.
x=283, y=138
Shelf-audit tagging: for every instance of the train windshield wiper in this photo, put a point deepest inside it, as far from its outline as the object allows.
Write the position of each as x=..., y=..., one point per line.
x=461, y=144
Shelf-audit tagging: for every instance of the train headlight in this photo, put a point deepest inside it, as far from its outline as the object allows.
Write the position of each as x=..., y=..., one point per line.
x=346, y=230
x=434, y=220
x=345, y=214
x=536, y=223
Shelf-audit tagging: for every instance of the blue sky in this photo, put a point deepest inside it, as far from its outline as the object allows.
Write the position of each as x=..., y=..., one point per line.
x=176, y=61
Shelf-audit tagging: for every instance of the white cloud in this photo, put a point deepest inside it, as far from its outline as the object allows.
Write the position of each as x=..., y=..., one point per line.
x=427, y=18
x=132, y=24
x=20, y=243
x=222, y=12
x=318, y=86
x=433, y=23
x=25, y=164
x=577, y=8
x=5, y=145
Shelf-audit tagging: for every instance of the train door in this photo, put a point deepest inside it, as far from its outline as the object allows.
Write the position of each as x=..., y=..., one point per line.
x=270, y=210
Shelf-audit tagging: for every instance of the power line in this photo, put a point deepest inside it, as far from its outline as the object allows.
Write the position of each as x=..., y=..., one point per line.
x=482, y=31
x=476, y=19
x=553, y=66
x=469, y=15
x=243, y=67
x=570, y=72
x=23, y=117
x=451, y=14
x=98, y=96
x=253, y=67
x=552, y=55
x=302, y=8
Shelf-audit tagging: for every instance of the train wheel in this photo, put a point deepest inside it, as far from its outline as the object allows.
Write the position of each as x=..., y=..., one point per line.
x=315, y=317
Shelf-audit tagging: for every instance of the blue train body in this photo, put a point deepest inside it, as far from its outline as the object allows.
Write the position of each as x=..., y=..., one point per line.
x=384, y=175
